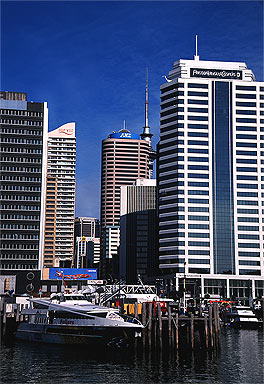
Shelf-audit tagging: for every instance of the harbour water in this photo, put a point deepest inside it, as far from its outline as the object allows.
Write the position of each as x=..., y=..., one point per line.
x=240, y=360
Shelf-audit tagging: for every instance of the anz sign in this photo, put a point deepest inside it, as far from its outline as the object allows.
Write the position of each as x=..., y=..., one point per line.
x=124, y=135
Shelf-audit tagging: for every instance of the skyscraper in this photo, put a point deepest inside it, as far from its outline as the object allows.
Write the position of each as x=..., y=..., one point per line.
x=138, y=222
x=210, y=169
x=61, y=167
x=24, y=128
x=125, y=157
x=86, y=226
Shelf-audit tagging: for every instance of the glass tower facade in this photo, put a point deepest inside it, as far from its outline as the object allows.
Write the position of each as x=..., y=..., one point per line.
x=210, y=170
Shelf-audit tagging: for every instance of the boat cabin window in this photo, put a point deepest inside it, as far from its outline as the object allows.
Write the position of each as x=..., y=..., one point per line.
x=75, y=297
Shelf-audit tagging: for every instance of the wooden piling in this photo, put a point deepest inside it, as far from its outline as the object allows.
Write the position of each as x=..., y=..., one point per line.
x=177, y=330
x=192, y=331
x=149, y=323
x=144, y=321
x=136, y=310
x=211, y=326
x=206, y=330
x=160, y=323
x=169, y=323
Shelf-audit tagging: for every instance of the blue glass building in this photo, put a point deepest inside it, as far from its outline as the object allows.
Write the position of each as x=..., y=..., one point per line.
x=210, y=170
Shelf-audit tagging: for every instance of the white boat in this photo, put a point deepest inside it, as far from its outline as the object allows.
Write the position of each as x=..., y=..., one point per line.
x=242, y=317
x=71, y=319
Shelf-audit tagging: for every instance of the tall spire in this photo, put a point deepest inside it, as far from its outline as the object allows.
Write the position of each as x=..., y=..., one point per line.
x=146, y=135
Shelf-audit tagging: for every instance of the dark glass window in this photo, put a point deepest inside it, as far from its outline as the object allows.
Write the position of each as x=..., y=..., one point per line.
x=197, y=184
x=246, y=153
x=197, y=126
x=248, y=228
x=193, y=101
x=197, y=134
x=199, y=110
x=197, y=142
x=246, y=104
x=199, y=235
x=198, y=159
x=198, y=243
x=193, y=252
x=247, y=202
x=198, y=176
x=248, y=145
x=197, y=150
x=245, y=96
x=245, y=88
x=195, y=85
x=198, y=218
x=198, y=201
x=247, y=177
x=198, y=209
x=198, y=118
x=198, y=261
x=247, y=194
x=248, y=254
x=198, y=226
x=247, y=161
x=194, y=93
x=198, y=167
x=246, y=169
x=246, y=112
x=246, y=128
x=245, y=120
x=247, y=211
x=249, y=137
x=198, y=192
x=247, y=236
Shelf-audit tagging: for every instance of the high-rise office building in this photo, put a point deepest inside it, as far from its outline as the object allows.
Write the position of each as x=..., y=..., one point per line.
x=24, y=128
x=87, y=252
x=61, y=167
x=210, y=170
x=139, y=231
x=86, y=226
x=86, y=242
x=125, y=158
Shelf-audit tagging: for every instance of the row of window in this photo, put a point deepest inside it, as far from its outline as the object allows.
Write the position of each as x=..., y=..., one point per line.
x=21, y=122
x=16, y=112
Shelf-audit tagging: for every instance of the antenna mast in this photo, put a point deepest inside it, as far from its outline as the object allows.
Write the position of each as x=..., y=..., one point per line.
x=196, y=57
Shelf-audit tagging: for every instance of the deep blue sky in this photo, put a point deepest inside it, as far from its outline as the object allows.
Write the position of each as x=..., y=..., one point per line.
x=88, y=59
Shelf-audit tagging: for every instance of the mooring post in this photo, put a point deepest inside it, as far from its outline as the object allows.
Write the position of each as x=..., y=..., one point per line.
x=160, y=323
x=192, y=331
x=169, y=322
x=144, y=321
x=177, y=330
x=150, y=323
x=206, y=330
x=211, y=326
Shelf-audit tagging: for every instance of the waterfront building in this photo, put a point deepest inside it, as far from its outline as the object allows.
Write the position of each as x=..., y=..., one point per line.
x=125, y=157
x=61, y=167
x=139, y=231
x=210, y=169
x=24, y=128
x=50, y=222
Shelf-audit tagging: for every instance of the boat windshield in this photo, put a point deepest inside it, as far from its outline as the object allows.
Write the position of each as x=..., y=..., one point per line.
x=75, y=297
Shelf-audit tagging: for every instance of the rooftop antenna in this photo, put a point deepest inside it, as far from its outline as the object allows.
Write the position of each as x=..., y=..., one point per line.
x=146, y=135
x=196, y=57
x=124, y=124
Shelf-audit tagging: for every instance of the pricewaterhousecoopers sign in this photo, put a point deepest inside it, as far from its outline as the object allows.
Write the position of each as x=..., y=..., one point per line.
x=216, y=73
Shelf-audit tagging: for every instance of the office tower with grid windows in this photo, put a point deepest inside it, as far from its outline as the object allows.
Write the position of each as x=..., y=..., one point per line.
x=125, y=158
x=211, y=170
x=24, y=128
x=138, y=231
x=61, y=168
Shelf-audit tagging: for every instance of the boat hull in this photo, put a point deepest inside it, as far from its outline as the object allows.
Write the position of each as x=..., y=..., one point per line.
x=88, y=335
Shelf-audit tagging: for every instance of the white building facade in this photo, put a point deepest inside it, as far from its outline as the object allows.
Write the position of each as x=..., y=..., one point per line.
x=211, y=170
x=61, y=164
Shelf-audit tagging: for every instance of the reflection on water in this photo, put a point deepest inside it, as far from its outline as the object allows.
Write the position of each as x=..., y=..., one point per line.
x=240, y=360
